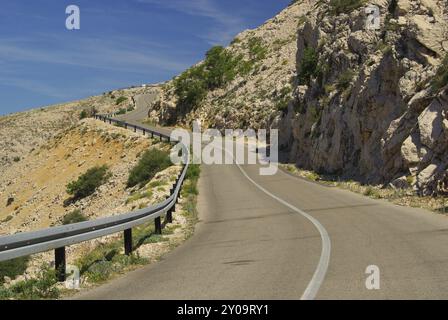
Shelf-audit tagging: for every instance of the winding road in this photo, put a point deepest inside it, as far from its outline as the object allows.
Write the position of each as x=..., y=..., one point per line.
x=281, y=237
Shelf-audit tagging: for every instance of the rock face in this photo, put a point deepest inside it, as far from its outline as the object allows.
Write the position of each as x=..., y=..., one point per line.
x=371, y=113
x=360, y=102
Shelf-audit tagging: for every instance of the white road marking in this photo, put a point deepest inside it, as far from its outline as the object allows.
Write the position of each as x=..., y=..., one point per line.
x=324, y=261
x=319, y=275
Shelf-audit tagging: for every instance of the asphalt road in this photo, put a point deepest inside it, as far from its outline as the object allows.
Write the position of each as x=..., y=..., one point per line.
x=265, y=238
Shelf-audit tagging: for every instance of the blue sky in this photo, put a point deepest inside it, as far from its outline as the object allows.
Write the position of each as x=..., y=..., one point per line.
x=120, y=43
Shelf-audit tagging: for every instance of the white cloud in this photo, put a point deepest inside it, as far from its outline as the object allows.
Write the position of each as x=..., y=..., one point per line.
x=114, y=54
x=227, y=24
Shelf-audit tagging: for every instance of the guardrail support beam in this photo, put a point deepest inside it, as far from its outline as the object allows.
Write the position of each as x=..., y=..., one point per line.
x=128, y=242
x=60, y=264
x=158, y=226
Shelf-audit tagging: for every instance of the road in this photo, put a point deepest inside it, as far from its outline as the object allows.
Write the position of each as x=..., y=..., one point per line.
x=255, y=241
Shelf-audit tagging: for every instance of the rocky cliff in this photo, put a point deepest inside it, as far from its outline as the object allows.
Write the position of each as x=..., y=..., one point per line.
x=349, y=101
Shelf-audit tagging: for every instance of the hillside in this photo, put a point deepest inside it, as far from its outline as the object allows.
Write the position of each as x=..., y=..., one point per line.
x=24, y=132
x=369, y=105
x=34, y=196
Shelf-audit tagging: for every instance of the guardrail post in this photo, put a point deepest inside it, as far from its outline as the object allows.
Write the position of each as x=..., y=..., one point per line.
x=128, y=242
x=144, y=132
x=169, y=215
x=135, y=129
x=158, y=226
x=60, y=265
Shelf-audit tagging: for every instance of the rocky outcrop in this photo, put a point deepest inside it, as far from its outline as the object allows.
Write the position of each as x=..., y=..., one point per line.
x=360, y=102
x=370, y=113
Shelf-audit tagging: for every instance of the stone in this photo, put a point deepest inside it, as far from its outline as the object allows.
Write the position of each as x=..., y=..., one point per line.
x=10, y=201
x=401, y=183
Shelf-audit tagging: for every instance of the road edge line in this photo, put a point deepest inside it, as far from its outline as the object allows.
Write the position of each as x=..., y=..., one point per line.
x=324, y=261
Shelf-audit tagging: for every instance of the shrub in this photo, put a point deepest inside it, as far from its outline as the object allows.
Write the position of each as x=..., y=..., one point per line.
x=87, y=183
x=284, y=99
x=43, y=287
x=74, y=217
x=105, y=260
x=221, y=66
x=13, y=268
x=152, y=162
x=345, y=6
x=121, y=111
x=257, y=51
x=344, y=80
x=7, y=219
x=120, y=100
x=89, y=112
x=441, y=78
x=16, y=159
x=83, y=115
x=218, y=69
x=190, y=88
x=191, y=177
x=193, y=172
x=308, y=66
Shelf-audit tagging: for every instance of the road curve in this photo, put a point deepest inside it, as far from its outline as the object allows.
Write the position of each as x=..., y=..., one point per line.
x=250, y=245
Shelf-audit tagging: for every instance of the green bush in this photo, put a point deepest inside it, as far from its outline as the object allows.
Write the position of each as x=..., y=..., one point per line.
x=193, y=172
x=345, y=79
x=13, y=268
x=120, y=100
x=218, y=69
x=345, y=6
x=105, y=260
x=257, y=50
x=74, y=217
x=83, y=115
x=190, y=87
x=441, y=78
x=152, y=162
x=283, y=99
x=221, y=66
x=87, y=112
x=309, y=67
x=192, y=176
x=121, y=111
x=88, y=182
x=42, y=287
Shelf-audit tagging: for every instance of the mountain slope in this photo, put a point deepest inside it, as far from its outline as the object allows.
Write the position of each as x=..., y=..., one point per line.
x=356, y=103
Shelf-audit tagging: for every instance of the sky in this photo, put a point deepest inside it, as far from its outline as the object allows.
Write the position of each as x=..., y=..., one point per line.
x=120, y=43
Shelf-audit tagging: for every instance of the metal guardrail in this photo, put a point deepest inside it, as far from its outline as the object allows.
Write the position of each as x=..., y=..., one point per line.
x=57, y=238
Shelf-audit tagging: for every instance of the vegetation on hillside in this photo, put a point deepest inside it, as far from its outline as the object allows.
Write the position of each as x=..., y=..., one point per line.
x=219, y=68
x=13, y=268
x=152, y=162
x=345, y=6
x=309, y=67
x=75, y=216
x=120, y=100
x=87, y=183
x=41, y=287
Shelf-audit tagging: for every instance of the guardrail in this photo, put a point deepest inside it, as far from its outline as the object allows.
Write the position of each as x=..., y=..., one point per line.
x=58, y=238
